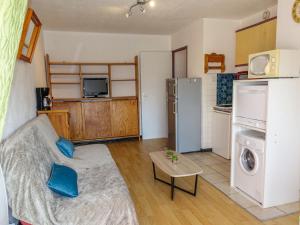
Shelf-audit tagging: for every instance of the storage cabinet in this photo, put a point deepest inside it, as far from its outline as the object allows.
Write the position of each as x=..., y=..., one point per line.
x=102, y=119
x=59, y=120
x=124, y=118
x=222, y=134
x=76, y=125
x=96, y=119
x=257, y=38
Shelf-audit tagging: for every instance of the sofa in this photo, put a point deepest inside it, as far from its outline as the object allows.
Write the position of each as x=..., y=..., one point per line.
x=26, y=158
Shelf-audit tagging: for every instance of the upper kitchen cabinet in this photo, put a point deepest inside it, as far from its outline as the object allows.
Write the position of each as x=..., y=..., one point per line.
x=256, y=38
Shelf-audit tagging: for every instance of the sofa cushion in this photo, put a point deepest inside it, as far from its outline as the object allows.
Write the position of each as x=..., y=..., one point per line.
x=63, y=181
x=66, y=147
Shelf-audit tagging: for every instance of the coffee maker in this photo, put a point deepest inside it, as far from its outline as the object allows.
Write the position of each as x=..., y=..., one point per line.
x=43, y=101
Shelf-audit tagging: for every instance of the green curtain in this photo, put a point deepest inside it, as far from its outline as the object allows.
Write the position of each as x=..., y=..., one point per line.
x=12, y=15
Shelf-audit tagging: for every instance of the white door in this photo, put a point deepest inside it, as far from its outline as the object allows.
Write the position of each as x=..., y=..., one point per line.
x=155, y=68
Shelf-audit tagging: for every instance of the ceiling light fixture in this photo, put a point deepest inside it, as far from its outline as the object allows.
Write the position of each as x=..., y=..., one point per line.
x=141, y=4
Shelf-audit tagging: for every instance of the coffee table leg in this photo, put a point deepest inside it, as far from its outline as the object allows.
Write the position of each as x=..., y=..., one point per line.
x=172, y=187
x=196, y=185
x=154, y=172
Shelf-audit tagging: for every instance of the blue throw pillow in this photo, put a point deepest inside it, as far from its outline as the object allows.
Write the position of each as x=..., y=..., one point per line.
x=63, y=181
x=66, y=147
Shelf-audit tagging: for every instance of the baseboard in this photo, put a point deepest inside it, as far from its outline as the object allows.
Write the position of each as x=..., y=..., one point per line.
x=104, y=141
x=206, y=150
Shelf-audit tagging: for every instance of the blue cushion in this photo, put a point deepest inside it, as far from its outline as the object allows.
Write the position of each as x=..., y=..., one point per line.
x=66, y=147
x=63, y=181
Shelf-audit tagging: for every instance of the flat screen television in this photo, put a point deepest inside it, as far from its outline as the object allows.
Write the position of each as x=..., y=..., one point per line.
x=95, y=87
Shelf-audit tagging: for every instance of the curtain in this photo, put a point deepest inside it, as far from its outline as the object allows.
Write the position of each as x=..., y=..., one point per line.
x=12, y=15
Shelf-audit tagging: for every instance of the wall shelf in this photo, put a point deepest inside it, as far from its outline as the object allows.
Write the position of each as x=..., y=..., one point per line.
x=94, y=74
x=121, y=80
x=65, y=74
x=65, y=82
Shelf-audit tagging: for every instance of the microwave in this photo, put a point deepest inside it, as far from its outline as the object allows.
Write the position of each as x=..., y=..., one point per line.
x=279, y=63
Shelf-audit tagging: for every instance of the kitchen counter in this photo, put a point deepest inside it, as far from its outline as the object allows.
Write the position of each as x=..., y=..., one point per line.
x=225, y=109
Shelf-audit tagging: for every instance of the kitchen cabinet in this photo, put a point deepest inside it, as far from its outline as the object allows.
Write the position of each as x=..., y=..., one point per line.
x=96, y=121
x=101, y=119
x=74, y=109
x=256, y=38
x=221, y=136
x=60, y=121
x=124, y=114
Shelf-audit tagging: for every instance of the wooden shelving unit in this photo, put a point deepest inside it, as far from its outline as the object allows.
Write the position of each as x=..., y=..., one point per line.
x=54, y=77
x=116, y=116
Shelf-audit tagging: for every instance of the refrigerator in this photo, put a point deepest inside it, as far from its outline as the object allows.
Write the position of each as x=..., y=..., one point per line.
x=184, y=114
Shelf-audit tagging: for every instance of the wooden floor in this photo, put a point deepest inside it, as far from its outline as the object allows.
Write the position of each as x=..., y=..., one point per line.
x=152, y=198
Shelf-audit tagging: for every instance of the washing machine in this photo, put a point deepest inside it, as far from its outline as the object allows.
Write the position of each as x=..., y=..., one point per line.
x=249, y=164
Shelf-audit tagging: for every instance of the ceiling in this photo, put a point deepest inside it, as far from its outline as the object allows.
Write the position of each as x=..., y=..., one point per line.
x=168, y=16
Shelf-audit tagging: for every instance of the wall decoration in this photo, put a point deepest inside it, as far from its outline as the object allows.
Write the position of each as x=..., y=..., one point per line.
x=12, y=14
x=31, y=30
x=296, y=11
x=225, y=88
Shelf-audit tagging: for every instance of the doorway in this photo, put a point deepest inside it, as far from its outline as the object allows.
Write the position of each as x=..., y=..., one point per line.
x=180, y=62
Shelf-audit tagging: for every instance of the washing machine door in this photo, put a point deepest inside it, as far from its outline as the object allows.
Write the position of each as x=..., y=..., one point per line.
x=249, y=161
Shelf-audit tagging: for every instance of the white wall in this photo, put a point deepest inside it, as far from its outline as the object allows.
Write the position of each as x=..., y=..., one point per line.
x=218, y=37
x=288, y=31
x=192, y=36
x=79, y=46
x=257, y=17
x=207, y=36
x=22, y=100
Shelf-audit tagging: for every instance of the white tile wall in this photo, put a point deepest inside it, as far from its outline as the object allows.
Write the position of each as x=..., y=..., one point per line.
x=209, y=99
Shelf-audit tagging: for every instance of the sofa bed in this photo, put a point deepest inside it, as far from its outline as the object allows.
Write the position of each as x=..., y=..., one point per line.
x=26, y=158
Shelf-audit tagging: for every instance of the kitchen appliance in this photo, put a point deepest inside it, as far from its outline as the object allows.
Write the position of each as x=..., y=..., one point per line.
x=43, y=100
x=272, y=103
x=221, y=138
x=249, y=164
x=95, y=87
x=274, y=64
x=184, y=114
x=251, y=105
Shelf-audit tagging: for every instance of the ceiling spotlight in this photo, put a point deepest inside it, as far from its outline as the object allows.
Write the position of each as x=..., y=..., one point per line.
x=141, y=4
x=152, y=3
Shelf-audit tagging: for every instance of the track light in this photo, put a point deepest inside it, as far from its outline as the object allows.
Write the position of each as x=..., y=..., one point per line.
x=141, y=4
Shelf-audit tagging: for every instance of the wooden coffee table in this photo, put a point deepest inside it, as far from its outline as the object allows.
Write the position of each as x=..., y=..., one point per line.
x=183, y=168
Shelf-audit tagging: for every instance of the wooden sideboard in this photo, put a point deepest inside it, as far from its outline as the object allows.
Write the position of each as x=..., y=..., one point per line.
x=59, y=120
x=101, y=119
x=116, y=116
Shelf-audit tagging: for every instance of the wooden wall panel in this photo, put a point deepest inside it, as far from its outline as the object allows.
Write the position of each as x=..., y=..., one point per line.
x=124, y=118
x=76, y=126
x=97, y=120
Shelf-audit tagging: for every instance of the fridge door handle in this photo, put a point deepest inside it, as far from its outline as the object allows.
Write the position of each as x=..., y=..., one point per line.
x=174, y=89
x=175, y=107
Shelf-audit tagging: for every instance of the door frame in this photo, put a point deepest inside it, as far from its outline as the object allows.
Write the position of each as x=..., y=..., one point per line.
x=184, y=48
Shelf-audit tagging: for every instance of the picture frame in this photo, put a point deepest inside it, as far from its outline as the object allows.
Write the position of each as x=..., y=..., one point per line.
x=30, y=34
